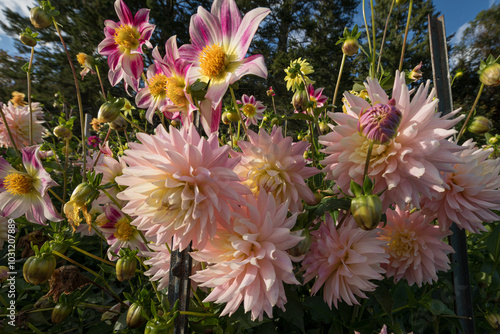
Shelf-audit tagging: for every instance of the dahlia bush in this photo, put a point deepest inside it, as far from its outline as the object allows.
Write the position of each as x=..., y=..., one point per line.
x=177, y=208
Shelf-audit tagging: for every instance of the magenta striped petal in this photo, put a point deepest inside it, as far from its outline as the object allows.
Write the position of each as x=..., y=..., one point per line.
x=123, y=12
x=132, y=65
x=13, y=206
x=109, y=28
x=216, y=91
x=114, y=59
x=144, y=98
x=146, y=30
x=141, y=16
x=246, y=31
x=251, y=65
x=107, y=46
x=171, y=50
x=115, y=77
x=5, y=169
x=229, y=17
x=189, y=52
x=204, y=29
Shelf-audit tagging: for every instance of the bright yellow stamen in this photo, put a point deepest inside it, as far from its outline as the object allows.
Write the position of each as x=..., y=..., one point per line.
x=249, y=110
x=82, y=58
x=402, y=244
x=18, y=184
x=213, y=61
x=127, y=37
x=175, y=92
x=158, y=85
x=124, y=230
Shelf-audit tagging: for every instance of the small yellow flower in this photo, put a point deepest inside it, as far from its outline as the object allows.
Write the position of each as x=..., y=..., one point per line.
x=295, y=71
x=18, y=99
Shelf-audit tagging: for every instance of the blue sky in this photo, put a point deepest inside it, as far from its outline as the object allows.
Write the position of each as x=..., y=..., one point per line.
x=457, y=14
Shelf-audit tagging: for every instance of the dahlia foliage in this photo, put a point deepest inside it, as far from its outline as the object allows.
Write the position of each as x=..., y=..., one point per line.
x=337, y=213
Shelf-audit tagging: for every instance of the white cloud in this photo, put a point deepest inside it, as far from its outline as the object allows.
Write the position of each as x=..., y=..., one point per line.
x=20, y=6
x=459, y=34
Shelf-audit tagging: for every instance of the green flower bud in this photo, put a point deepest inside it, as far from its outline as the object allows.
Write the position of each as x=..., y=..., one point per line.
x=38, y=269
x=323, y=127
x=493, y=320
x=119, y=124
x=82, y=193
x=367, y=211
x=125, y=268
x=27, y=39
x=63, y=132
x=480, y=125
x=134, y=316
x=108, y=112
x=60, y=312
x=490, y=75
x=300, y=100
x=350, y=47
x=39, y=18
x=493, y=140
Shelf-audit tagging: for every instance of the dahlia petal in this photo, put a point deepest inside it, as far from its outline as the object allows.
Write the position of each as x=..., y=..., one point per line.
x=230, y=18
x=123, y=12
x=141, y=16
x=249, y=25
x=204, y=29
x=251, y=65
x=132, y=65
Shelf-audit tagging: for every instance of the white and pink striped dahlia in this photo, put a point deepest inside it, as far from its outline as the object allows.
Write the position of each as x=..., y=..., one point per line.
x=408, y=165
x=415, y=246
x=180, y=182
x=276, y=165
x=248, y=262
x=344, y=261
x=18, y=121
x=471, y=192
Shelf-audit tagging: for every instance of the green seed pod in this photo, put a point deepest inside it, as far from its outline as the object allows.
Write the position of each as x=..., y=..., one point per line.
x=490, y=76
x=158, y=327
x=37, y=270
x=134, y=316
x=108, y=112
x=125, y=268
x=39, y=18
x=300, y=100
x=480, y=125
x=367, y=211
x=60, y=312
x=63, y=132
x=350, y=47
x=27, y=39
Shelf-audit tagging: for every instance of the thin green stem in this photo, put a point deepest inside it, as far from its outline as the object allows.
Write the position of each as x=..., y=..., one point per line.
x=367, y=162
x=82, y=304
x=197, y=314
x=406, y=37
x=132, y=123
x=79, y=98
x=338, y=82
x=100, y=80
x=238, y=111
x=8, y=131
x=65, y=171
x=384, y=35
x=470, y=112
x=29, y=96
x=93, y=256
x=104, y=143
x=366, y=27
x=374, y=52
x=56, y=196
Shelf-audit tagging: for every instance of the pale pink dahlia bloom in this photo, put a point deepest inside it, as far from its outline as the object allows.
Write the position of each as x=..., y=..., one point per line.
x=252, y=109
x=415, y=246
x=471, y=192
x=26, y=192
x=118, y=231
x=409, y=165
x=248, y=262
x=181, y=182
x=276, y=165
x=382, y=331
x=344, y=261
x=18, y=121
x=219, y=44
x=110, y=169
x=123, y=44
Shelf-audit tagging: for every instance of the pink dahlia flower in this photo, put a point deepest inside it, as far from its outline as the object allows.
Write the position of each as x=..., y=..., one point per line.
x=316, y=96
x=123, y=44
x=18, y=121
x=110, y=169
x=219, y=44
x=26, y=192
x=344, y=261
x=471, y=192
x=249, y=261
x=251, y=109
x=181, y=182
x=415, y=246
x=118, y=231
x=93, y=141
x=276, y=165
x=408, y=165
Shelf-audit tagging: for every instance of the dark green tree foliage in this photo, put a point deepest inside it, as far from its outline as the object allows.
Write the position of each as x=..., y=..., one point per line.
x=479, y=40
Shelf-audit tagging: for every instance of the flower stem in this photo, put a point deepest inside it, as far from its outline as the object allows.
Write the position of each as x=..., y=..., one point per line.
x=56, y=196
x=29, y=95
x=132, y=123
x=338, y=82
x=368, y=157
x=366, y=27
x=100, y=81
x=79, y=98
x=406, y=37
x=104, y=143
x=470, y=113
x=238, y=111
x=93, y=256
x=197, y=314
x=383, y=37
x=374, y=52
x=65, y=171
x=8, y=131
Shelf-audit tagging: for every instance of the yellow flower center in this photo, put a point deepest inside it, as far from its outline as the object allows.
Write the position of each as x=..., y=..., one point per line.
x=175, y=92
x=402, y=244
x=18, y=184
x=249, y=110
x=81, y=57
x=127, y=37
x=158, y=85
x=213, y=61
x=124, y=230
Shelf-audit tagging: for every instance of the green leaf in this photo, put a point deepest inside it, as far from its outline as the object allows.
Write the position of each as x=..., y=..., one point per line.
x=437, y=307
x=493, y=243
x=329, y=204
x=384, y=298
x=320, y=312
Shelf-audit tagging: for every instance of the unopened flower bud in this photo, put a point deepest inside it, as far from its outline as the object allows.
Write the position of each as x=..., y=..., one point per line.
x=108, y=112
x=134, y=316
x=416, y=73
x=82, y=193
x=323, y=127
x=270, y=92
x=62, y=132
x=380, y=123
x=299, y=100
x=490, y=76
x=125, y=268
x=231, y=116
x=60, y=312
x=459, y=74
x=4, y=274
x=480, y=125
x=27, y=39
x=493, y=140
x=493, y=320
x=350, y=47
x=275, y=121
x=367, y=211
x=39, y=18
x=225, y=118
x=120, y=124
